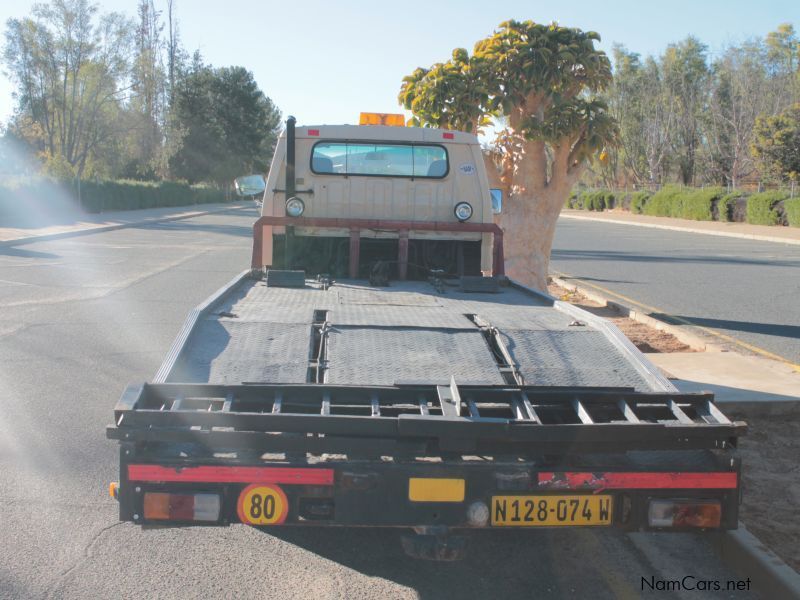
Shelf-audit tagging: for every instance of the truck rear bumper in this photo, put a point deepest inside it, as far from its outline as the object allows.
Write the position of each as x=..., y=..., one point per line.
x=466, y=494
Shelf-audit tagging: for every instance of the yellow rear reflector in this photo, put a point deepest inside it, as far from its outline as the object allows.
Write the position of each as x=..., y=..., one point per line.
x=426, y=489
x=393, y=120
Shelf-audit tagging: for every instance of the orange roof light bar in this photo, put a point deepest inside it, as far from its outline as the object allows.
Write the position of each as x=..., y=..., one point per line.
x=392, y=120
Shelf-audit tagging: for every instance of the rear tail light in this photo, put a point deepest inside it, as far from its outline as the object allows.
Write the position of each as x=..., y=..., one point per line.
x=161, y=506
x=685, y=513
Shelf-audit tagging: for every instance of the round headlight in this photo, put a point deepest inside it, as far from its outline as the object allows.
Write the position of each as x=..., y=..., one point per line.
x=463, y=211
x=294, y=207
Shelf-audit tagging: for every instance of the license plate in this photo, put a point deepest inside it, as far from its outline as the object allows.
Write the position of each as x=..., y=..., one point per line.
x=551, y=511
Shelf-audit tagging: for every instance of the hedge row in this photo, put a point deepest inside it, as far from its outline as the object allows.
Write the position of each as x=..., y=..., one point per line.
x=698, y=205
x=597, y=200
x=707, y=204
x=44, y=194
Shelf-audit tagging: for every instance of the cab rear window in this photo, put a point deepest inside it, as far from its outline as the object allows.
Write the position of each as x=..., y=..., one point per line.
x=381, y=160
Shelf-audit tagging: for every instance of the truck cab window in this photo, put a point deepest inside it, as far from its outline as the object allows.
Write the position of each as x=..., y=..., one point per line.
x=387, y=160
x=329, y=158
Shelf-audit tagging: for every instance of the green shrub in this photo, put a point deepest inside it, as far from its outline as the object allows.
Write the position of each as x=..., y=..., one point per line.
x=610, y=199
x=791, y=208
x=638, y=201
x=98, y=196
x=572, y=199
x=665, y=202
x=684, y=203
x=698, y=205
x=762, y=208
x=207, y=195
x=597, y=201
x=726, y=204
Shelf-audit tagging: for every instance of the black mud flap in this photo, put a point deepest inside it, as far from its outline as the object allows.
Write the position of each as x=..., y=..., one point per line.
x=434, y=547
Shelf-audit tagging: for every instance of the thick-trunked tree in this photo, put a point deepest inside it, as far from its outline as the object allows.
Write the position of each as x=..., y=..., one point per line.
x=539, y=80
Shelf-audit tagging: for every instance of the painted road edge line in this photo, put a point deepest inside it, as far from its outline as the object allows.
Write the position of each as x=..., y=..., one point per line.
x=89, y=230
x=731, y=234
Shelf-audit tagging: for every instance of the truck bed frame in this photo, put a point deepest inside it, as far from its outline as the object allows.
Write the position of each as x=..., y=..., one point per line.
x=342, y=391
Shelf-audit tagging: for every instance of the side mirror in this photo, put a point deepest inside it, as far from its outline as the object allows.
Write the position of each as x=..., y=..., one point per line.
x=497, y=200
x=250, y=185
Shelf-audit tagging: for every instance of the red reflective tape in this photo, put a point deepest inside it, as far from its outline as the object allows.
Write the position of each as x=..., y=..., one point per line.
x=646, y=481
x=212, y=474
x=313, y=132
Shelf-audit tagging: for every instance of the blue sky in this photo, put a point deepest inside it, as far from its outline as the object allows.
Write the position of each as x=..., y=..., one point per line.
x=326, y=61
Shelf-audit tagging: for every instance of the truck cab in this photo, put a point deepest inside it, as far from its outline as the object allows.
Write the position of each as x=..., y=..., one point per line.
x=341, y=199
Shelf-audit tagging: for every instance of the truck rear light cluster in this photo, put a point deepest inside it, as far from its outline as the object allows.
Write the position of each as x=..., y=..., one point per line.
x=684, y=513
x=162, y=506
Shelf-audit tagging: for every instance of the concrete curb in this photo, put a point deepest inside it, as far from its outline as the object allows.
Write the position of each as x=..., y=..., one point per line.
x=89, y=230
x=746, y=554
x=732, y=234
x=693, y=340
x=760, y=408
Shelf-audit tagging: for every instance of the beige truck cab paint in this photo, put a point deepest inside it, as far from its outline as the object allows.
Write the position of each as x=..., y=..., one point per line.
x=380, y=173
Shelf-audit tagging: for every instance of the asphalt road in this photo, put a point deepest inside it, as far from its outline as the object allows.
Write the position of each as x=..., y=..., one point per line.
x=744, y=289
x=83, y=316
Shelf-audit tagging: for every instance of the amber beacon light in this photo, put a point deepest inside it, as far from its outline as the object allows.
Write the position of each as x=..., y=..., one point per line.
x=390, y=119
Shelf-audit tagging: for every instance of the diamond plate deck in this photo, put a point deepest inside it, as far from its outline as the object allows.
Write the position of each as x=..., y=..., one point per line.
x=230, y=352
x=386, y=356
x=405, y=332
x=399, y=316
x=577, y=357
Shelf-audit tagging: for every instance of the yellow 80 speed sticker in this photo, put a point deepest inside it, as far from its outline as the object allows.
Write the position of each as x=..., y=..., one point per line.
x=262, y=504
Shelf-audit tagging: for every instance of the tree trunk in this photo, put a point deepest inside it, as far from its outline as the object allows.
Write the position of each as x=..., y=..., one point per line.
x=529, y=224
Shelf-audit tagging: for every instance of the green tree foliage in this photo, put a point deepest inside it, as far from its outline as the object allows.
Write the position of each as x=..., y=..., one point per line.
x=542, y=80
x=97, y=97
x=147, y=106
x=67, y=63
x=783, y=54
x=777, y=143
x=689, y=116
x=450, y=95
x=229, y=126
x=737, y=97
x=686, y=76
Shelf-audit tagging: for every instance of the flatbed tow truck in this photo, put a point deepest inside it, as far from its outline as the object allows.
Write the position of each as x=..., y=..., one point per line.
x=378, y=369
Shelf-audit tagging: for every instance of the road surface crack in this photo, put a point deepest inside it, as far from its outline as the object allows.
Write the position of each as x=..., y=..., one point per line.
x=87, y=555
